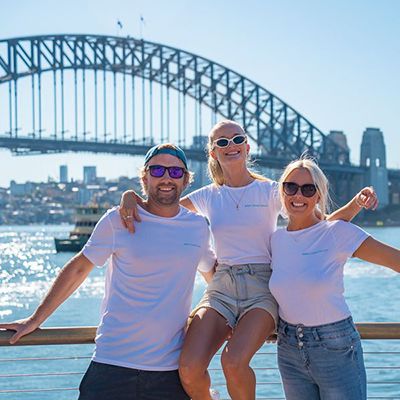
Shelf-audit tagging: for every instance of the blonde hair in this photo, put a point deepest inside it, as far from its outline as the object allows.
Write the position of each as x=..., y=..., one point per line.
x=318, y=177
x=215, y=171
x=189, y=176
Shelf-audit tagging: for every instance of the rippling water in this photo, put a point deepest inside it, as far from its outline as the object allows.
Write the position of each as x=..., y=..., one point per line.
x=29, y=263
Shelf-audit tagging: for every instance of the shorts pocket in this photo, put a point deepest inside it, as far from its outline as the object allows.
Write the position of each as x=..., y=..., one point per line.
x=219, y=282
x=258, y=284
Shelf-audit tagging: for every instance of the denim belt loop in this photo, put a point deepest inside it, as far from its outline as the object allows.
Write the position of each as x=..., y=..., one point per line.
x=231, y=275
x=315, y=334
x=250, y=269
x=283, y=327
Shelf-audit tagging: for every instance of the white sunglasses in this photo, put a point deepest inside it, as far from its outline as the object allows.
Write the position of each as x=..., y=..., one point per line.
x=224, y=142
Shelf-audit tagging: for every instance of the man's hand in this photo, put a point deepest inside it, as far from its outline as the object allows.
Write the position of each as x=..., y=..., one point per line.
x=21, y=327
x=128, y=209
x=367, y=198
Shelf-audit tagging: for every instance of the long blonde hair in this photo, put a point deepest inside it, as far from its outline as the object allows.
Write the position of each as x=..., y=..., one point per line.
x=318, y=177
x=215, y=171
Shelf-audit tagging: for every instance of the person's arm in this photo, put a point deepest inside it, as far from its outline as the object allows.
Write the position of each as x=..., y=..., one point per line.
x=208, y=275
x=365, y=198
x=376, y=252
x=187, y=203
x=128, y=208
x=68, y=280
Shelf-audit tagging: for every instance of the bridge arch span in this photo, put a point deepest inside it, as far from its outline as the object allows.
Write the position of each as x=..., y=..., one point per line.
x=278, y=129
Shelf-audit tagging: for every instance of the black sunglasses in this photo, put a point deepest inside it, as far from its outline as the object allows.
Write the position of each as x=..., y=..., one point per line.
x=307, y=190
x=157, y=171
x=224, y=142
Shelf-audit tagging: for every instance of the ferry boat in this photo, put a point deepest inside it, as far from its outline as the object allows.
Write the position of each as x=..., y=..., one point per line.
x=86, y=218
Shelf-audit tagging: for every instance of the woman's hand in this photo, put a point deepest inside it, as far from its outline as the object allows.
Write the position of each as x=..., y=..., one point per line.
x=367, y=198
x=128, y=210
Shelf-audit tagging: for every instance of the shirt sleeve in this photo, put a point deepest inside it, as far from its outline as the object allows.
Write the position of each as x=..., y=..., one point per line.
x=348, y=237
x=200, y=199
x=100, y=245
x=208, y=258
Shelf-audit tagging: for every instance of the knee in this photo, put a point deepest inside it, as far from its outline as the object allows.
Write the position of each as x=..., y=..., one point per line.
x=233, y=364
x=190, y=371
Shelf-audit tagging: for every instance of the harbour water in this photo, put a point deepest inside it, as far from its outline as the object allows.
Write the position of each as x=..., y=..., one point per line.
x=29, y=263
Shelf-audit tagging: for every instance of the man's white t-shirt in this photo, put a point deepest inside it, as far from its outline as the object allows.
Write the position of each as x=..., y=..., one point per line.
x=149, y=285
x=307, y=271
x=242, y=219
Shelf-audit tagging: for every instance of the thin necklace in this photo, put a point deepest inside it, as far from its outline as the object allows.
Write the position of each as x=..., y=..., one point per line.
x=237, y=202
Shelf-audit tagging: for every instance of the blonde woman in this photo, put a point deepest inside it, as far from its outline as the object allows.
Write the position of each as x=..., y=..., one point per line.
x=319, y=349
x=242, y=208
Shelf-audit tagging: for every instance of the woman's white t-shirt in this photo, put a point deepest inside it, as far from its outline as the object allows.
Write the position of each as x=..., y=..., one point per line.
x=242, y=219
x=307, y=271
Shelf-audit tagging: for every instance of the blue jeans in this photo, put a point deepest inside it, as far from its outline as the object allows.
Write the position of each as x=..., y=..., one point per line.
x=110, y=382
x=323, y=362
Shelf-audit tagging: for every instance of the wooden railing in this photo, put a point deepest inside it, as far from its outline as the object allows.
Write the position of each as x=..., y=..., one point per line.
x=86, y=335
x=59, y=374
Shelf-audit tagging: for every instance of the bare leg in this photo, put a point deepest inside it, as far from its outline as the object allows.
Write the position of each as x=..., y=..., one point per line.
x=252, y=330
x=205, y=336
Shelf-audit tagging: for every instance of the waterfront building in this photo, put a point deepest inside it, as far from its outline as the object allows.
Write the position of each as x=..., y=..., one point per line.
x=21, y=189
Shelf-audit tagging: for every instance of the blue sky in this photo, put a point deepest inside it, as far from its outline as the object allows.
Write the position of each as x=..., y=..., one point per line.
x=337, y=62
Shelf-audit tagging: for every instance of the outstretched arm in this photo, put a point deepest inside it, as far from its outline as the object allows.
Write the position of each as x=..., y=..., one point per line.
x=379, y=253
x=68, y=280
x=365, y=198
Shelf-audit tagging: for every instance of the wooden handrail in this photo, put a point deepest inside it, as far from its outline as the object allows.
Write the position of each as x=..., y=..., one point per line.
x=47, y=336
x=86, y=334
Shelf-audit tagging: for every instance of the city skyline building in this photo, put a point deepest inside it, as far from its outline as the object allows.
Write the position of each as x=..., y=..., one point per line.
x=89, y=174
x=63, y=174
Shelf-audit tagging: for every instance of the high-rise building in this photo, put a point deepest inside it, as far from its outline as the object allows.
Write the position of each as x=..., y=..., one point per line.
x=63, y=174
x=89, y=175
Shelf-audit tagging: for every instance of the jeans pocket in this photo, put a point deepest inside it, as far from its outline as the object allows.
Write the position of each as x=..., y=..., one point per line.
x=339, y=344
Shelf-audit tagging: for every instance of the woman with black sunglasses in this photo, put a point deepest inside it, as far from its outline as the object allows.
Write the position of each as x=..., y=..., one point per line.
x=242, y=208
x=319, y=348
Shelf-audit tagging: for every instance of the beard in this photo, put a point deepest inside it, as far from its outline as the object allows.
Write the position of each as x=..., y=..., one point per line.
x=165, y=198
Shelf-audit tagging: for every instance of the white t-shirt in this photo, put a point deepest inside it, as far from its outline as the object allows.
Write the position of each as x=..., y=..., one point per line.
x=307, y=271
x=241, y=235
x=149, y=285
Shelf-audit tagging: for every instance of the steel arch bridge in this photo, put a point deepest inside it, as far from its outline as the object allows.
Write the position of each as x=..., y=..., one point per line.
x=148, y=71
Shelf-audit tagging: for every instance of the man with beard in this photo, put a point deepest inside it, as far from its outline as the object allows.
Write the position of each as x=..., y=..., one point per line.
x=148, y=288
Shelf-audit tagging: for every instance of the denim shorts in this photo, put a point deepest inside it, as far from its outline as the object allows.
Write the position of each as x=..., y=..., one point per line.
x=237, y=289
x=110, y=382
x=323, y=362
